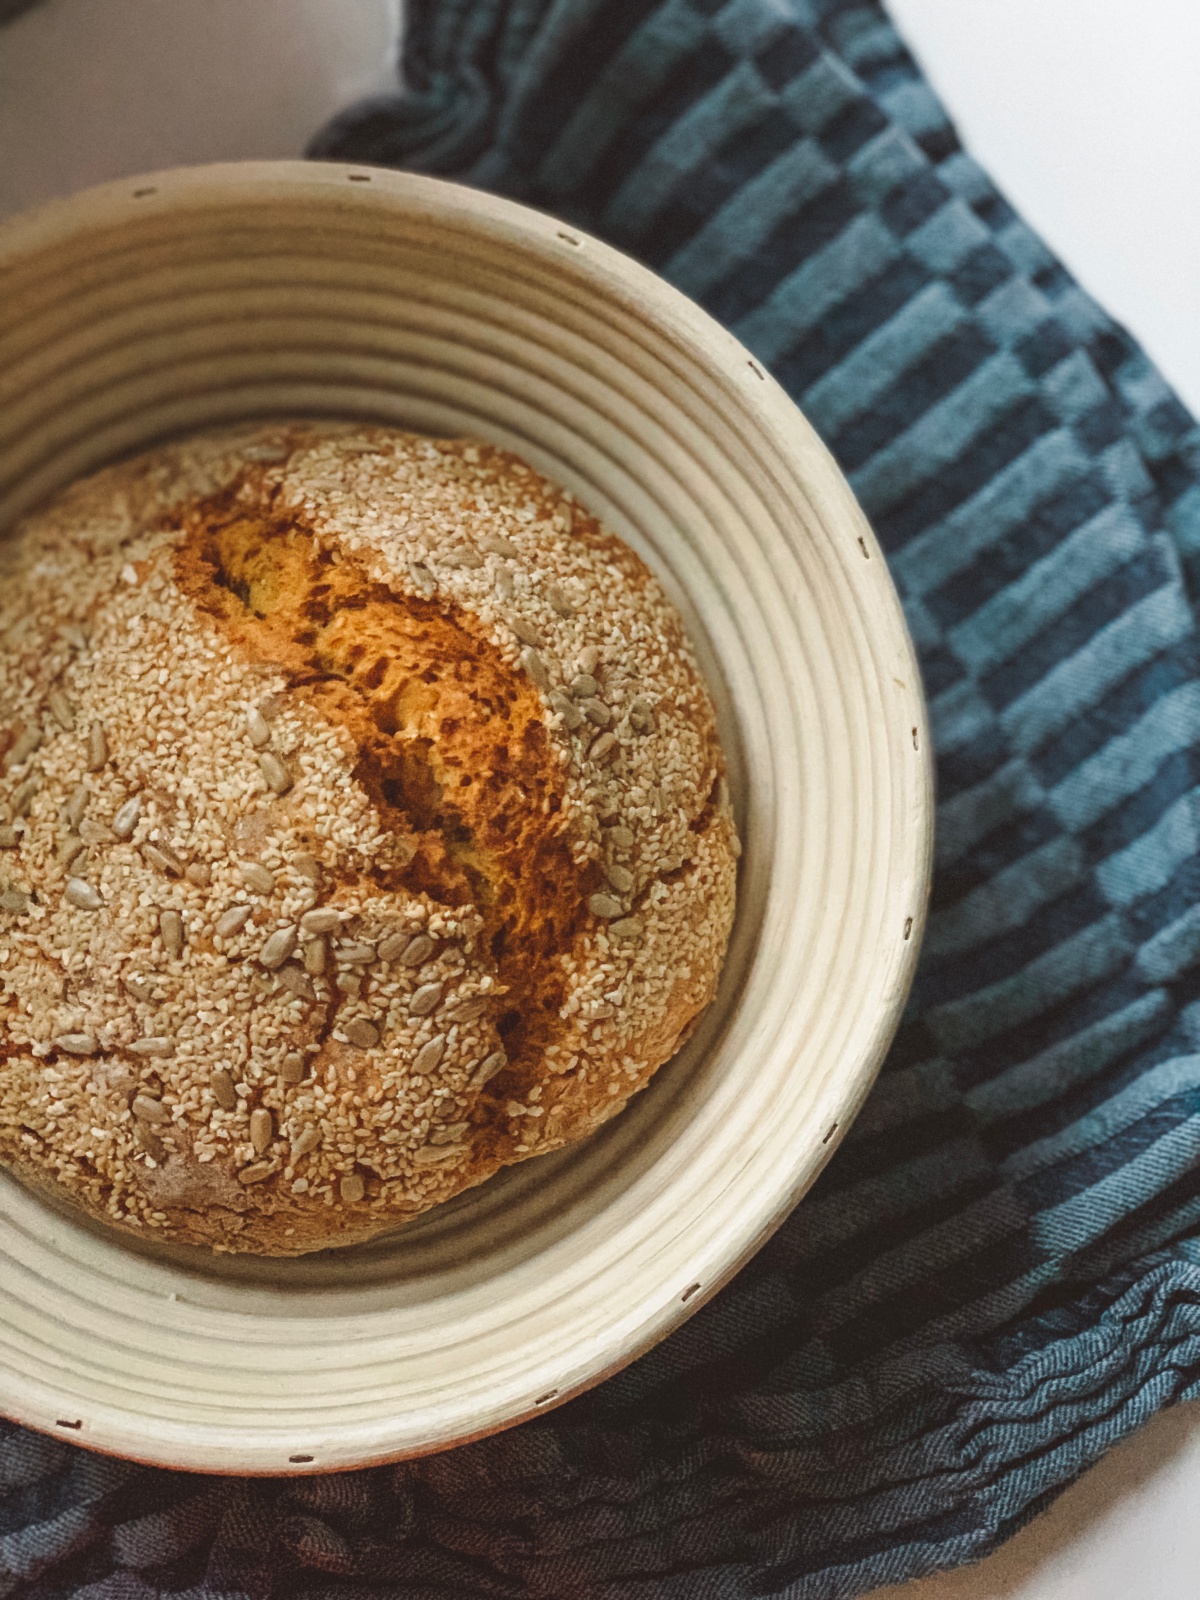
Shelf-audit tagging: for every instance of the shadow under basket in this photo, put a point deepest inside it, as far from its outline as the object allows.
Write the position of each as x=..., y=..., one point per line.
x=208, y=295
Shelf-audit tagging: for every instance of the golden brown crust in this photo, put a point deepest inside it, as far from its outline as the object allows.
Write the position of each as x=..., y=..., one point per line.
x=367, y=831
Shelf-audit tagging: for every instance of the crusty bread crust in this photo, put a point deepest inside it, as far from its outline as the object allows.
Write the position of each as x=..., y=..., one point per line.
x=366, y=830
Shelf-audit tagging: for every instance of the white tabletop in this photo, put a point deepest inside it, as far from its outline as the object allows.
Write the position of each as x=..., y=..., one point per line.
x=1086, y=113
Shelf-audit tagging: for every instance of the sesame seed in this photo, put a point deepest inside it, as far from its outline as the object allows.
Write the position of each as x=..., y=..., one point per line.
x=525, y=632
x=535, y=667
x=596, y=711
x=278, y=948
x=155, y=1046
x=361, y=1033
x=233, y=921
x=428, y=1056
x=316, y=956
x=97, y=747
x=61, y=710
x=257, y=877
x=300, y=1186
x=425, y=999
x=170, y=926
x=77, y=1044
x=257, y=729
x=325, y=920
x=223, y=1090
x=275, y=775
x=417, y=950
x=82, y=896
x=603, y=905
x=584, y=686
x=567, y=709
x=256, y=1172
x=77, y=804
x=488, y=1068
x=262, y=1130
x=620, y=877
x=126, y=818
x=293, y=1067
x=352, y=1188
x=150, y=1109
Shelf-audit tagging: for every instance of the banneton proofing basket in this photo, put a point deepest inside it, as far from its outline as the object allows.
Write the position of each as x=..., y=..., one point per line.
x=200, y=296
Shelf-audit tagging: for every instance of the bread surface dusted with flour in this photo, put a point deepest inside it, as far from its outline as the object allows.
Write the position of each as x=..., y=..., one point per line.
x=363, y=829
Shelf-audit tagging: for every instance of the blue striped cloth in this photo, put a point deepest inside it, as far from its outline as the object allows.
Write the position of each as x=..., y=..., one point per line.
x=999, y=1275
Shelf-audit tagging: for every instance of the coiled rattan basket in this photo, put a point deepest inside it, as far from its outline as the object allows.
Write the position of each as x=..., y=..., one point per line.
x=203, y=295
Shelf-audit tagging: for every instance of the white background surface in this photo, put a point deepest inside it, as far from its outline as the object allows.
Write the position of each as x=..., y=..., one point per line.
x=1085, y=111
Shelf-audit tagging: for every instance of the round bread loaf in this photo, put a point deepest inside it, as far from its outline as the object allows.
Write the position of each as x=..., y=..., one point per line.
x=363, y=829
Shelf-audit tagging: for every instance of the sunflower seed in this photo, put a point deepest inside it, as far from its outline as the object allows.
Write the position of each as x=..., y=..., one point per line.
x=620, y=838
x=535, y=667
x=77, y=805
x=223, y=1090
x=488, y=1068
x=308, y=867
x=29, y=741
x=163, y=858
x=567, y=709
x=391, y=947
x=316, y=955
x=150, y=1142
x=525, y=632
x=95, y=832
x=584, y=686
x=417, y=951
x=470, y=1008
x=292, y=1070
x=262, y=1130
x=140, y=989
x=325, y=920
x=364, y=1035
x=626, y=928
x=428, y=1056
x=199, y=874
x=257, y=729
x=24, y=797
x=504, y=582
x=450, y=1134
x=61, y=710
x=275, y=775
x=559, y=600
x=305, y=1142
x=149, y=1109
x=126, y=818
x=256, y=1172
x=588, y=658
x=603, y=905
x=73, y=853
x=641, y=717
x=620, y=877
x=352, y=1188
x=349, y=982
x=423, y=580
x=356, y=951
x=257, y=877
x=424, y=999
x=170, y=926
x=278, y=948
x=596, y=711
x=74, y=635
x=77, y=1044
x=80, y=894
x=298, y=983
x=233, y=921
x=471, y=559
x=431, y=1155
x=97, y=747
x=497, y=545
x=604, y=749
x=156, y=1046
x=14, y=901
x=8, y=839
